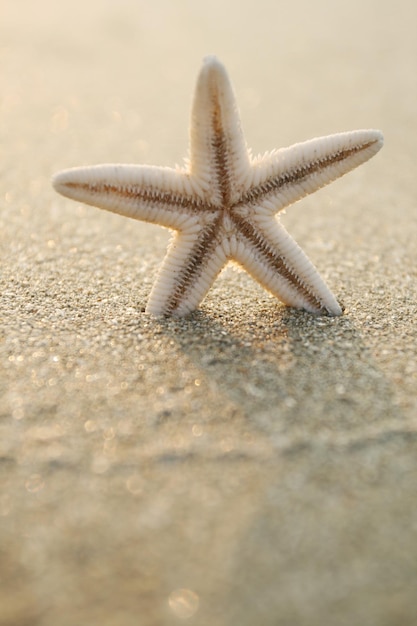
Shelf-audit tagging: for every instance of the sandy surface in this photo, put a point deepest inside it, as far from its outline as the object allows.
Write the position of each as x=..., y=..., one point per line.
x=250, y=464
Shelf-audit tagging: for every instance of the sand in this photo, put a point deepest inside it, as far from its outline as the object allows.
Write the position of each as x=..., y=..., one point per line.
x=250, y=464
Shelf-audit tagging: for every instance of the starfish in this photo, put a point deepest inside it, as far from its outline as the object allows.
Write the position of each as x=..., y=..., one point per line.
x=222, y=203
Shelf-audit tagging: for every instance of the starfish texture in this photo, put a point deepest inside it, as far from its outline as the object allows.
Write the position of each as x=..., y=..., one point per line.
x=223, y=203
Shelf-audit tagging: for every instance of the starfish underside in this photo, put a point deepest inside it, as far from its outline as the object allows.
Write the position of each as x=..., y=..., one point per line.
x=223, y=204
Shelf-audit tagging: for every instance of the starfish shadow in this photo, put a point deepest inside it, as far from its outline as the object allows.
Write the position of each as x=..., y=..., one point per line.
x=285, y=369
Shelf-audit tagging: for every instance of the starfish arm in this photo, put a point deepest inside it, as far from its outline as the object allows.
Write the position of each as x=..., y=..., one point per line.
x=193, y=261
x=265, y=250
x=282, y=177
x=219, y=158
x=160, y=195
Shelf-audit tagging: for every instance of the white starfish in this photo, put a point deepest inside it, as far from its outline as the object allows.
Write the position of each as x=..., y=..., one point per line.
x=223, y=203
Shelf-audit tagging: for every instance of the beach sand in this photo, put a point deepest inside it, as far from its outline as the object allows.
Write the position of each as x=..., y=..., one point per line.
x=249, y=464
